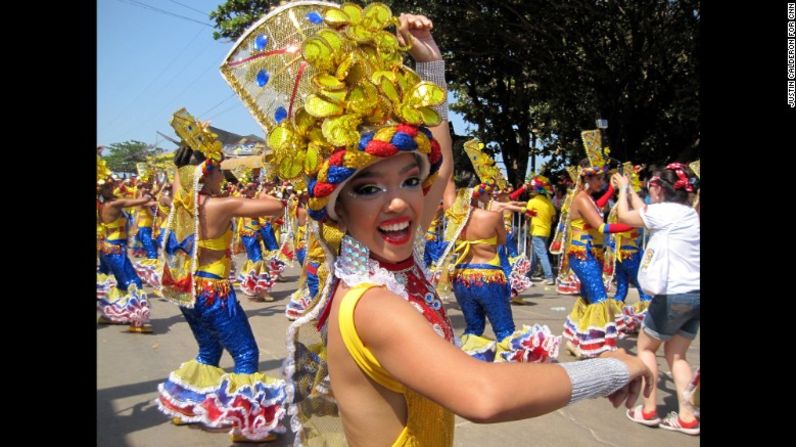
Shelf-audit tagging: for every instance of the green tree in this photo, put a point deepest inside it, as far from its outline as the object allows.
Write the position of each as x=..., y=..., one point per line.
x=234, y=16
x=122, y=157
x=531, y=74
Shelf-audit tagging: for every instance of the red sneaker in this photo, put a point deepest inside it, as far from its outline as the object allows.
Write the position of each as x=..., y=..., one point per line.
x=674, y=423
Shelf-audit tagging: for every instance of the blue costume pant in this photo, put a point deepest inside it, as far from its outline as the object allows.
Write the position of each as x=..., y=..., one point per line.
x=312, y=278
x=511, y=243
x=145, y=237
x=505, y=263
x=479, y=299
x=300, y=254
x=121, y=267
x=433, y=251
x=590, y=273
x=252, y=246
x=222, y=325
x=159, y=239
x=626, y=274
x=269, y=238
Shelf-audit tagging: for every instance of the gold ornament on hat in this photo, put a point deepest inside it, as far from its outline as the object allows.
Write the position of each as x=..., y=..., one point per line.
x=484, y=165
x=694, y=165
x=632, y=173
x=196, y=135
x=103, y=172
x=144, y=170
x=573, y=173
x=244, y=175
x=315, y=74
x=592, y=144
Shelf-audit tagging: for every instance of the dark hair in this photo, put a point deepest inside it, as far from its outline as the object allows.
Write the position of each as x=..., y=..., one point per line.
x=667, y=178
x=107, y=187
x=586, y=163
x=186, y=156
x=230, y=177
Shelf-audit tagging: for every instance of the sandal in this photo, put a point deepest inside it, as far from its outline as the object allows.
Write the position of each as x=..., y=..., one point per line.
x=636, y=414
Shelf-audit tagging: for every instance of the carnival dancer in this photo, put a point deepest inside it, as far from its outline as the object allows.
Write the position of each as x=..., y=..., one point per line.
x=149, y=268
x=372, y=170
x=195, y=276
x=480, y=278
x=122, y=301
x=273, y=258
x=590, y=328
x=254, y=277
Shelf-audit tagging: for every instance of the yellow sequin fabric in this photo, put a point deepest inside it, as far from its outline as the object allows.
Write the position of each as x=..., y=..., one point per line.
x=484, y=165
x=103, y=172
x=196, y=135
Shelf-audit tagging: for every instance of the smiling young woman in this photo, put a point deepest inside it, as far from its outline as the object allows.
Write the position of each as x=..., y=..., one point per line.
x=376, y=347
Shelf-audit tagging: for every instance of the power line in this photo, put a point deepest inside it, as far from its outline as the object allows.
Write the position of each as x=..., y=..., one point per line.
x=222, y=102
x=229, y=109
x=166, y=108
x=163, y=11
x=189, y=7
x=162, y=72
x=188, y=86
x=163, y=108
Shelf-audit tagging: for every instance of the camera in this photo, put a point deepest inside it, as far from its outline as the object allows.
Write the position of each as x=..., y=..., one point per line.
x=612, y=164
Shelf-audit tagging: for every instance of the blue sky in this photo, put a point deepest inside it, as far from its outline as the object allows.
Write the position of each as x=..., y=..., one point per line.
x=151, y=63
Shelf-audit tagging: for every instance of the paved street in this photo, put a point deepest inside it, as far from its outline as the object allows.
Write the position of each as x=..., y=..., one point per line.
x=130, y=366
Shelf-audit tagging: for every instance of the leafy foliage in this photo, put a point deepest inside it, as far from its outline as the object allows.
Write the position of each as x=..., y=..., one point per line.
x=122, y=157
x=531, y=74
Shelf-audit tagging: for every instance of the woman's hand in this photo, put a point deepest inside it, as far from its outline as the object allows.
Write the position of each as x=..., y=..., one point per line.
x=619, y=181
x=638, y=371
x=415, y=29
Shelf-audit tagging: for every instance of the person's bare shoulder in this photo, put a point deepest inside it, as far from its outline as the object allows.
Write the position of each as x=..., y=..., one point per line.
x=486, y=214
x=377, y=309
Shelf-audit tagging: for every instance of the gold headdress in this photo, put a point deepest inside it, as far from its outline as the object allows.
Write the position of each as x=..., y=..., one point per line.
x=161, y=163
x=597, y=155
x=145, y=171
x=573, y=173
x=196, y=135
x=103, y=172
x=328, y=85
x=485, y=166
x=632, y=172
x=694, y=165
x=244, y=175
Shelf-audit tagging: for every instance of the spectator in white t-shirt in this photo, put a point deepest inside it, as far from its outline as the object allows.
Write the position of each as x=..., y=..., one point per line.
x=669, y=271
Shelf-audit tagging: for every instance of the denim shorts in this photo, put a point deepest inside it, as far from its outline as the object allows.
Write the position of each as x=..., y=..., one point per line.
x=673, y=314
